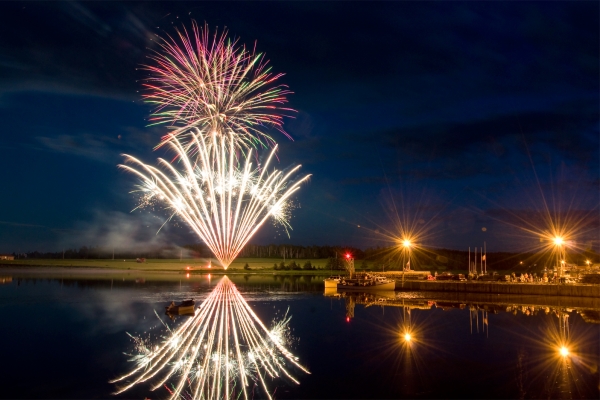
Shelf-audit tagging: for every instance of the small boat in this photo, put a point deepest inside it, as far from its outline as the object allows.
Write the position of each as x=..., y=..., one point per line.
x=185, y=307
x=333, y=281
x=367, y=282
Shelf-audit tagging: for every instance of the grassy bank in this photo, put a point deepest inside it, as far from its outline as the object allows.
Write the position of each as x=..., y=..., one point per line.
x=185, y=265
x=199, y=265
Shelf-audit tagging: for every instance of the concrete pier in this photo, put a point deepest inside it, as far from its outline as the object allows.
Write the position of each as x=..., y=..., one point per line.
x=546, y=289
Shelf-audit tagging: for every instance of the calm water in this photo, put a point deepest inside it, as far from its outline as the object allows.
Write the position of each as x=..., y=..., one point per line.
x=66, y=338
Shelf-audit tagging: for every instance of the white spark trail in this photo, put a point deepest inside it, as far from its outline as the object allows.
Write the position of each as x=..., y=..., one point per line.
x=224, y=202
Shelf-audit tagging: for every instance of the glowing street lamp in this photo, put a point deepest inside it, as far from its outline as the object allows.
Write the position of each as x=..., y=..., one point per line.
x=407, y=245
x=559, y=242
x=564, y=351
x=407, y=337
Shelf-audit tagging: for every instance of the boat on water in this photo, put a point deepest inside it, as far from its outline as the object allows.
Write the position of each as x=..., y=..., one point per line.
x=332, y=281
x=183, y=308
x=366, y=282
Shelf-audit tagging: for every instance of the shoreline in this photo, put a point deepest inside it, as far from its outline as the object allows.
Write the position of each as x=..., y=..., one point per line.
x=192, y=267
x=78, y=272
x=171, y=270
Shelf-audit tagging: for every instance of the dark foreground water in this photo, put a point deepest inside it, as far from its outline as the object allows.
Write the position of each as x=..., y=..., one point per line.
x=66, y=338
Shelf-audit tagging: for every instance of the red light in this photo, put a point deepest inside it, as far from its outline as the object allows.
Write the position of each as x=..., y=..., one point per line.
x=347, y=255
x=347, y=319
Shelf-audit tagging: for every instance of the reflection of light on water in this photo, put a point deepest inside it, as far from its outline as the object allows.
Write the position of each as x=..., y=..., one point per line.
x=218, y=353
x=559, y=359
x=556, y=359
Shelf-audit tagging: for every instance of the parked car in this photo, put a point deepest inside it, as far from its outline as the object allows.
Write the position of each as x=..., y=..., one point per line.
x=446, y=276
x=494, y=277
x=569, y=279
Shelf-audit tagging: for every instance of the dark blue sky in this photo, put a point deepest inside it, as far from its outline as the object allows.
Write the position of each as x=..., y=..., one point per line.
x=453, y=116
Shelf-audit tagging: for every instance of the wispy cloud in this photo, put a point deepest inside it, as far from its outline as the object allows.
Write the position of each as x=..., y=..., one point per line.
x=86, y=145
x=103, y=147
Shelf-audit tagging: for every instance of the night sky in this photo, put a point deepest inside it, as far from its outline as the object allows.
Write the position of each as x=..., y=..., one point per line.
x=464, y=120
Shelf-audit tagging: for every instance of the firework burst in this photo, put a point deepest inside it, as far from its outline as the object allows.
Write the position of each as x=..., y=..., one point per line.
x=223, y=201
x=215, y=85
x=218, y=353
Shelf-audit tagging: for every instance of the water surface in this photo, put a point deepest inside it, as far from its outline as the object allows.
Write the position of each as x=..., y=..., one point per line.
x=65, y=337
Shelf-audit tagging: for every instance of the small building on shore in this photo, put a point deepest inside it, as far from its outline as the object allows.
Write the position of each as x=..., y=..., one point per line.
x=7, y=257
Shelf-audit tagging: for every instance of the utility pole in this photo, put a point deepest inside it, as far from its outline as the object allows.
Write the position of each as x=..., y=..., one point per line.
x=470, y=268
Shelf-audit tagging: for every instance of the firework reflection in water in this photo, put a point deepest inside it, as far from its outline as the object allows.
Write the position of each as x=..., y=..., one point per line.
x=223, y=201
x=220, y=352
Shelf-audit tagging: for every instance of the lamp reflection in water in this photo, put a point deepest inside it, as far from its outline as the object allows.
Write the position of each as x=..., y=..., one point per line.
x=564, y=359
x=563, y=369
x=406, y=330
x=412, y=368
x=218, y=353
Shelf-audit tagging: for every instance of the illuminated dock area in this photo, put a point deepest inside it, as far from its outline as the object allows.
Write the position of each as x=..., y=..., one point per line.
x=546, y=289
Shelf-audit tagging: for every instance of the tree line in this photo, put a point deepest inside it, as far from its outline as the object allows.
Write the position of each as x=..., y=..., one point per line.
x=377, y=258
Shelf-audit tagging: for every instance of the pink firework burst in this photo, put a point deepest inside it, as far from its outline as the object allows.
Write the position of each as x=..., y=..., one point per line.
x=213, y=84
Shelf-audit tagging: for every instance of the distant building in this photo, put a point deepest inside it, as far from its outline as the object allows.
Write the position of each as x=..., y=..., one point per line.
x=7, y=257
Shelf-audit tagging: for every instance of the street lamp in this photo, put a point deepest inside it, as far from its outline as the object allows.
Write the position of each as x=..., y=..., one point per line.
x=350, y=264
x=559, y=242
x=407, y=245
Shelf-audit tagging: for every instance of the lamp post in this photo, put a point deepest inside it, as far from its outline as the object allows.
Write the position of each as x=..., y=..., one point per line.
x=407, y=244
x=560, y=254
x=350, y=264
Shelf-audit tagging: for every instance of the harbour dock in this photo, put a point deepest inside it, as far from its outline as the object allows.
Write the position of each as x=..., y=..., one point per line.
x=535, y=289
